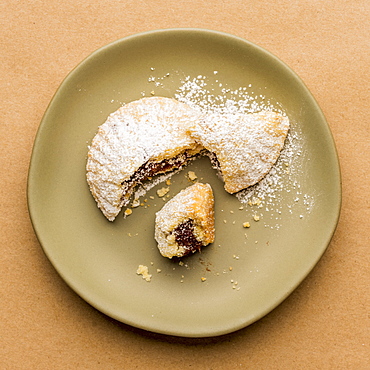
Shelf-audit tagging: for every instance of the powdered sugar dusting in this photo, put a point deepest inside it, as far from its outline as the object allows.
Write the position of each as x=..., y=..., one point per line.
x=245, y=146
x=266, y=196
x=196, y=93
x=212, y=98
x=147, y=129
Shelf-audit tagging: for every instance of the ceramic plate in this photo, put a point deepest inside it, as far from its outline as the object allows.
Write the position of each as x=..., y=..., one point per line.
x=246, y=272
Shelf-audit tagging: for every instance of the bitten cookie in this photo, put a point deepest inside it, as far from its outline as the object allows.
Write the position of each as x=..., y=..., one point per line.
x=141, y=139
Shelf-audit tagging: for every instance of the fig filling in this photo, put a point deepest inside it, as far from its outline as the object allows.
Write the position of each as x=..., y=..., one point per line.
x=184, y=236
x=150, y=169
x=214, y=161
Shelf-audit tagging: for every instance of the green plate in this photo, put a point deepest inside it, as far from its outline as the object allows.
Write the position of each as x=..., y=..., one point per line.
x=247, y=271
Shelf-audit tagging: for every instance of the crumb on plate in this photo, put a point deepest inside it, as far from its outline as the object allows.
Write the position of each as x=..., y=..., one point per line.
x=144, y=272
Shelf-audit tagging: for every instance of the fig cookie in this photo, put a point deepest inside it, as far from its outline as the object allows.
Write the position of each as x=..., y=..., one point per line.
x=185, y=224
x=141, y=139
x=156, y=135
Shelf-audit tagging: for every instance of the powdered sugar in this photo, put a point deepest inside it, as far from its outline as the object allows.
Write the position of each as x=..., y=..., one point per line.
x=245, y=146
x=147, y=129
x=265, y=197
x=199, y=93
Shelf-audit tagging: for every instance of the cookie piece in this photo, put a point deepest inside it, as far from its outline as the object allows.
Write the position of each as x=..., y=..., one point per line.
x=185, y=224
x=243, y=147
x=141, y=139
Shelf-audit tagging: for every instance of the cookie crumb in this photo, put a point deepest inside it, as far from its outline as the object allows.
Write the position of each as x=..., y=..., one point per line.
x=203, y=279
x=128, y=212
x=254, y=201
x=246, y=224
x=135, y=203
x=256, y=218
x=162, y=192
x=144, y=272
x=192, y=176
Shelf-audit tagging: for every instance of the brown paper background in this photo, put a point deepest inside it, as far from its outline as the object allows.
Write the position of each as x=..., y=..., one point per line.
x=324, y=324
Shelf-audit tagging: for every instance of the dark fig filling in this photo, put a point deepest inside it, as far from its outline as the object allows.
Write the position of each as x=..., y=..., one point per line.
x=214, y=161
x=150, y=169
x=184, y=236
